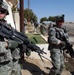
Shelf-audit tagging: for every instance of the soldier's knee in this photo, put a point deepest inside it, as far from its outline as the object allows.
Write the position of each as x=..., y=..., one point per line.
x=57, y=66
x=56, y=69
x=53, y=72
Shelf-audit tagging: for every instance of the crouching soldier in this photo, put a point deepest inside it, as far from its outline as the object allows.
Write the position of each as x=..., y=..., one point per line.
x=9, y=53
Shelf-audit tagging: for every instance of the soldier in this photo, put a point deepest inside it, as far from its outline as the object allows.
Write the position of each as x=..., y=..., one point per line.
x=9, y=51
x=56, y=45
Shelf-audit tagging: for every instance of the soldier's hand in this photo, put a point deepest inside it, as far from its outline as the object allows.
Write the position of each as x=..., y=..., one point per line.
x=62, y=43
x=6, y=45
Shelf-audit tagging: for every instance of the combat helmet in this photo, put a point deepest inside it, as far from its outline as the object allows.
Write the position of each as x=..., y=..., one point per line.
x=3, y=6
x=59, y=18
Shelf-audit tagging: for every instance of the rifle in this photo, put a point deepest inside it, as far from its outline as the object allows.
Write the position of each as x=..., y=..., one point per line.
x=68, y=46
x=10, y=33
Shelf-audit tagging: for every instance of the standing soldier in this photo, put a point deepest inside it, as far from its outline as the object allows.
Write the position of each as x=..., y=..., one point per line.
x=56, y=45
x=9, y=53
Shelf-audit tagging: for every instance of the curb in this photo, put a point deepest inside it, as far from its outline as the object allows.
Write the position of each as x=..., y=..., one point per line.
x=44, y=37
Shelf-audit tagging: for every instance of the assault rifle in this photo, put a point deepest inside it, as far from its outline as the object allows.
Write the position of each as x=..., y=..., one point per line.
x=10, y=33
x=68, y=46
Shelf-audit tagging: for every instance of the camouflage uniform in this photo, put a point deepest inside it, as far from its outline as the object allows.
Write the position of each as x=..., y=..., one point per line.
x=9, y=60
x=9, y=57
x=56, y=50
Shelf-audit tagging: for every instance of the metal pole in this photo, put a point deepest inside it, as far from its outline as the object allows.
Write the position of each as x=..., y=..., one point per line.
x=28, y=11
x=22, y=15
x=22, y=23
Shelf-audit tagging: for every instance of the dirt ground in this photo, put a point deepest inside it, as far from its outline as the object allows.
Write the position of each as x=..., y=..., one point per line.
x=38, y=67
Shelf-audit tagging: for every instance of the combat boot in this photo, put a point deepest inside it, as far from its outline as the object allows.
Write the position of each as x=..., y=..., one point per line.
x=58, y=74
x=52, y=73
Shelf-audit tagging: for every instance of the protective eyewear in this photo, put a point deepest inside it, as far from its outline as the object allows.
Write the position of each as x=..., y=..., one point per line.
x=2, y=12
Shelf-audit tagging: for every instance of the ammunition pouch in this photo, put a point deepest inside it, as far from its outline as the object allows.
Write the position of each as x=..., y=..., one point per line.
x=16, y=53
x=5, y=54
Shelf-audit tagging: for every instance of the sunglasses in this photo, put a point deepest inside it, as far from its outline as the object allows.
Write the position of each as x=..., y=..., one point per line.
x=2, y=12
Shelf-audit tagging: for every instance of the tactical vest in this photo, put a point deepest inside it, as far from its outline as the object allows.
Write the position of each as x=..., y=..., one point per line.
x=59, y=33
x=8, y=54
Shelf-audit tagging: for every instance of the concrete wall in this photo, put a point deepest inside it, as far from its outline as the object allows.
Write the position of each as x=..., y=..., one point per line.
x=16, y=20
x=9, y=17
